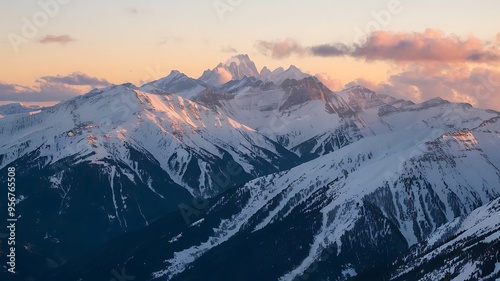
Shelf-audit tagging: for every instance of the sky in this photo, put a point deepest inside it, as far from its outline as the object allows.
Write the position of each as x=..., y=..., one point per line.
x=51, y=50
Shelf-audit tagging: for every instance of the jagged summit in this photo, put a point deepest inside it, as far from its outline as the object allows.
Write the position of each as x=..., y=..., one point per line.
x=235, y=68
x=178, y=83
x=240, y=59
x=239, y=66
x=264, y=72
x=279, y=75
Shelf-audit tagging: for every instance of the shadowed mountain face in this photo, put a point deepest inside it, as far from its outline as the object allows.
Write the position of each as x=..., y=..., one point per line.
x=186, y=179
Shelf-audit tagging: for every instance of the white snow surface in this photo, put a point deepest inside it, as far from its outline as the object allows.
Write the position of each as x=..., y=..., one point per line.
x=372, y=163
x=104, y=122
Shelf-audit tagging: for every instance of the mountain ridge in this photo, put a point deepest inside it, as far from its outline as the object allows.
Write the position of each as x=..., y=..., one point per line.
x=337, y=173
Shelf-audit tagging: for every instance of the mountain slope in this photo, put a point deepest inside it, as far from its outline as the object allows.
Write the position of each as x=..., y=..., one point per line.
x=117, y=159
x=17, y=108
x=176, y=82
x=466, y=248
x=310, y=120
x=241, y=175
x=352, y=210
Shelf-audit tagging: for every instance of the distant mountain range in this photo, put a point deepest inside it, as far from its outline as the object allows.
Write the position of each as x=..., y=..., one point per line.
x=248, y=175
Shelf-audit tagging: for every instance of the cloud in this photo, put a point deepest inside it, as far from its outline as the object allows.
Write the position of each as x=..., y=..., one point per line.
x=46, y=92
x=478, y=86
x=61, y=39
x=330, y=50
x=77, y=79
x=280, y=49
x=51, y=88
x=429, y=46
x=228, y=49
x=331, y=83
x=224, y=75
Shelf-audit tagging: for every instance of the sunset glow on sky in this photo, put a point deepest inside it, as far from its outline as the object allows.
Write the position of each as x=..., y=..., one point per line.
x=53, y=50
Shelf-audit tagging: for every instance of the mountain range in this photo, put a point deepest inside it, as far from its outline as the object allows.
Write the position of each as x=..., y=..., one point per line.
x=248, y=175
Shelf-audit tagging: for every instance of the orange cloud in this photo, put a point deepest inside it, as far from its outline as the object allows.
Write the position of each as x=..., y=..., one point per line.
x=478, y=86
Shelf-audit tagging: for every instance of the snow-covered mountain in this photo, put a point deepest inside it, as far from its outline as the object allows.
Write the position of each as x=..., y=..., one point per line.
x=279, y=75
x=17, y=108
x=114, y=160
x=247, y=175
x=178, y=83
x=466, y=248
x=240, y=66
x=174, y=130
x=235, y=68
x=349, y=213
x=309, y=119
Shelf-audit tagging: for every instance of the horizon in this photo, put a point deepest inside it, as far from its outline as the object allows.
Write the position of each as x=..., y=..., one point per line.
x=52, y=51
x=259, y=69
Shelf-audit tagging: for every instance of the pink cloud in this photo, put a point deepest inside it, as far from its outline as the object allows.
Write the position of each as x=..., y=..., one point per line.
x=431, y=45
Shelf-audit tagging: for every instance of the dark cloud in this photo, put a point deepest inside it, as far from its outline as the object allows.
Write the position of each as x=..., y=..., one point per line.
x=61, y=39
x=77, y=79
x=330, y=50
